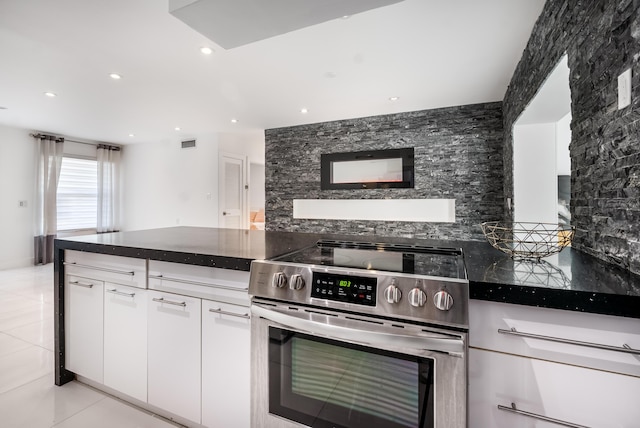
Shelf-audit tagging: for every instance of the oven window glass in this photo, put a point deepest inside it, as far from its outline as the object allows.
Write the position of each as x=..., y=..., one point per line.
x=326, y=383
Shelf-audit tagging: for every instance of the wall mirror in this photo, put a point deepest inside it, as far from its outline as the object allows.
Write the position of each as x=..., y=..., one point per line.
x=374, y=169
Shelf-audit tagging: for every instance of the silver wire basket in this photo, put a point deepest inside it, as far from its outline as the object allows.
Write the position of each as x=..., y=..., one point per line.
x=528, y=240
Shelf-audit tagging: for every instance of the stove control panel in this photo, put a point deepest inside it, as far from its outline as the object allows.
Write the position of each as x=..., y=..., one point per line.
x=344, y=288
x=396, y=295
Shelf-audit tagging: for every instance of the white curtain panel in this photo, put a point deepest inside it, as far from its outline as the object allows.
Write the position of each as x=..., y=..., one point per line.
x=48, y=164
x=108, y=189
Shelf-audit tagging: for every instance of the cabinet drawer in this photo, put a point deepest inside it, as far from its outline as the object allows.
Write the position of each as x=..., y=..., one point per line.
x=119, y=270
x=225, y=285
x=577, y=395
x=497, y=326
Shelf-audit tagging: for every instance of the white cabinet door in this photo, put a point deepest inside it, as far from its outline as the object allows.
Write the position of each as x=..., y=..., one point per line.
x=174, y=353
x=83, y=327
x=125, y=340
x=572, y=394
x=225, y=365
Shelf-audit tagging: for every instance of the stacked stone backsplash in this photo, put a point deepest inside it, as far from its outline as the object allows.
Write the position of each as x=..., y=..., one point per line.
x=458, y=155
x=601, y=39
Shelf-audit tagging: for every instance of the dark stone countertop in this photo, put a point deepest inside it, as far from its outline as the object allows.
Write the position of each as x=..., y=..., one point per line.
x=570, y=280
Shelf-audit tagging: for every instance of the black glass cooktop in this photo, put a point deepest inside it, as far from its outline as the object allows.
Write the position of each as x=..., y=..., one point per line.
x=409, y=259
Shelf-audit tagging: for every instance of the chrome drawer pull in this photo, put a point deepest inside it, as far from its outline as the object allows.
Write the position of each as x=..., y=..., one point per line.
x=233, y=314
x=121, y=293
x=513, y=409
x=204, y=284
x=162, y=300
x=81, y=284
x=120, y=272
x=624, y=348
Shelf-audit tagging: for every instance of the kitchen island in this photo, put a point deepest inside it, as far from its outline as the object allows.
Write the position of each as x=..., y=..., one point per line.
x=574, y=282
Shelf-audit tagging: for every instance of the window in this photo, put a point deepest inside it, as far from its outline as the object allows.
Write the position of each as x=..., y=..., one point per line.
x=78, y=194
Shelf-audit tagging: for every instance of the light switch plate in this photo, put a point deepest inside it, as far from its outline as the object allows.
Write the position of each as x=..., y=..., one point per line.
x=624, y=89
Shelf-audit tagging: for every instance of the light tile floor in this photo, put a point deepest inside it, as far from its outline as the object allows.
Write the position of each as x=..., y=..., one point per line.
x=28, y=395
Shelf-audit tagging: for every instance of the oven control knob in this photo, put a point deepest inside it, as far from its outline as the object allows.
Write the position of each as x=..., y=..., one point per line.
x=417, y=297
x=279, y=280
x=296, y=282
x=392, y=294
x=443, y=300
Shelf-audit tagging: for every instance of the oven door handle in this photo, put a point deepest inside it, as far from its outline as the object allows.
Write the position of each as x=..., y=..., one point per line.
x=360, y=332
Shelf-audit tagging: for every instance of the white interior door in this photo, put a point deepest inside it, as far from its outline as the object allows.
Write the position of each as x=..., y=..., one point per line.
x=232, y=193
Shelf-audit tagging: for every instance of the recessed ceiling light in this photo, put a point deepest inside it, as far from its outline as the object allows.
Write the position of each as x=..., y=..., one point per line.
x=330, y=75
x=50, y=94
x=346, y=16
x=177, y=128
x=394, y=98
x=206, y=51
x=131, y=135
x=234, y=120
x=304, y=111
x=115, y=76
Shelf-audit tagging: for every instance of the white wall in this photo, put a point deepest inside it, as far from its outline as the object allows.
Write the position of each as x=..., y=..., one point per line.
x=17, y=183
x=256, y=186
x=535, y=184
x=250, y=144
x=165, y=185
x=563, y=139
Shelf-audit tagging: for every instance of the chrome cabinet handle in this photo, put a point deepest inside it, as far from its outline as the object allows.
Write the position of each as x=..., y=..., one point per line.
x=120, y=272
x=81, y=284
x=624, y=348
x=185, y=281
x=170, y=302
x=636, y=356
x=120, y=293
x=513, y=409
x=233, y=314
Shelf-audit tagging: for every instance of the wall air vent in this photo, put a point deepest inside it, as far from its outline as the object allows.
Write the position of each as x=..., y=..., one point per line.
x=189, y=144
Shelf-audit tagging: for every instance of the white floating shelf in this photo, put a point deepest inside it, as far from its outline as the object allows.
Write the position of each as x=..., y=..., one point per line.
x=412, y=210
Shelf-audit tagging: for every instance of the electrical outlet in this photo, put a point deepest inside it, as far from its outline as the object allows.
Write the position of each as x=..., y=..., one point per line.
x=22, y=204
x=624, y=89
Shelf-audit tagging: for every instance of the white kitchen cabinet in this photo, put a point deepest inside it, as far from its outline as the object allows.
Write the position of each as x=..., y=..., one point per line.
x=125, y=340
x=577, y=395
x=174, y=353
x=225, y=365
x=83, y=323
x=487, y=318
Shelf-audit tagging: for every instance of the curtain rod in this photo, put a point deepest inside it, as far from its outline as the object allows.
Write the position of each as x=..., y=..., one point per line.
x=75, y=141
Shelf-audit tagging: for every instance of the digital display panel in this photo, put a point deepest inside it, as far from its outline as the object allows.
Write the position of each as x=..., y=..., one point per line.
x=360, y=290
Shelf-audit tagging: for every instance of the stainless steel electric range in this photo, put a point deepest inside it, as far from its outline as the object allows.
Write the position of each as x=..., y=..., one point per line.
x=357, y=334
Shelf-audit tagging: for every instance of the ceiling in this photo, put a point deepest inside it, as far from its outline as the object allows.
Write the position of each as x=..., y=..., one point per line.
x=428, y=53
x=553, y=100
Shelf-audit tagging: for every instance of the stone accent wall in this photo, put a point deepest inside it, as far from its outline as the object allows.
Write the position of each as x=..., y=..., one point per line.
x=458, y=155
x=602, y=39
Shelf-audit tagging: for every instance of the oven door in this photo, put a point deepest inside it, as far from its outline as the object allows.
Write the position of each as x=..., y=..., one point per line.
x=325, y=369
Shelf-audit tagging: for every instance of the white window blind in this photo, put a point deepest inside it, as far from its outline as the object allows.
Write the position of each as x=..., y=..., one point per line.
x=78, y=194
